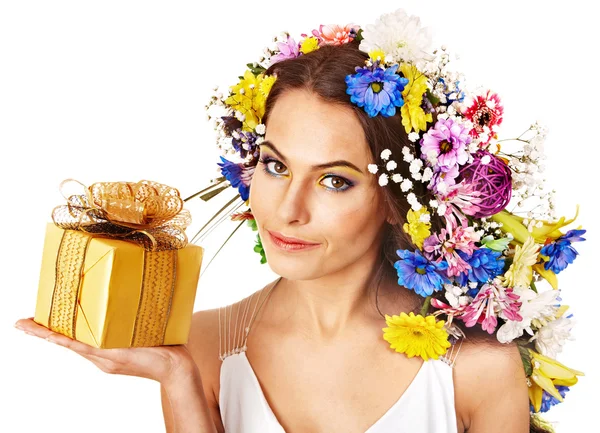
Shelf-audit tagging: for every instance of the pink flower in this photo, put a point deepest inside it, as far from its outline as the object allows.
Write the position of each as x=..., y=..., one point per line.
x=334, y=34
x=446, y=243
x=493, y=299
x=461, y=199
x=287, y=50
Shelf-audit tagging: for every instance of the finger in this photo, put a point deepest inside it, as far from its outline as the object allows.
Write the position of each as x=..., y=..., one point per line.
x=32, y=328
x=69, y=343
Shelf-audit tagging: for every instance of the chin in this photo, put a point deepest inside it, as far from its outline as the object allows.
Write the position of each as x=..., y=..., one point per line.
x=294, y=268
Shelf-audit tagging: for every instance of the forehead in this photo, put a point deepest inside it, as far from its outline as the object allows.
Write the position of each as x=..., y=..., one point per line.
x=304, y=126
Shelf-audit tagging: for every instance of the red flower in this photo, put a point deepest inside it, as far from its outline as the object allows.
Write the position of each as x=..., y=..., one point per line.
x=486, y=111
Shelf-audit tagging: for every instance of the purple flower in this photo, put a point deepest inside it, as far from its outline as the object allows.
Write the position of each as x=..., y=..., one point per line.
x=447, y=178
x=287, y=50
x=447, y=141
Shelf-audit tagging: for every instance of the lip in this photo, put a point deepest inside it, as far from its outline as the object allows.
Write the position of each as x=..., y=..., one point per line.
x=290, y=244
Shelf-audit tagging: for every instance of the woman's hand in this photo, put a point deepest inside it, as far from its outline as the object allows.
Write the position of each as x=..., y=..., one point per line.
x=160, y=363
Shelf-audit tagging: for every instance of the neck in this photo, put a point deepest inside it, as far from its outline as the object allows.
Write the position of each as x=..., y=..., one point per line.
x=328, y=307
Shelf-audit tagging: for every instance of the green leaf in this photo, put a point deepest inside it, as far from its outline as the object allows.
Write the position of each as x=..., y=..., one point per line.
x=359, y=36
x=256, y=70
x=259, y=249
x=525, y=358
x=495, y=244
x=252, y=225
x=432, y=98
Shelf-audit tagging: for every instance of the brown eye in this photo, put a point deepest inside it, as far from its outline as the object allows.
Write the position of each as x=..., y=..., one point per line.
x=279, y=167
x=336, y=183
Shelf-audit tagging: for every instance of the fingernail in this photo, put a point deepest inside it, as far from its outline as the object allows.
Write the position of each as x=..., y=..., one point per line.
x=29, y=333
x=18, y=327
x=52, y=340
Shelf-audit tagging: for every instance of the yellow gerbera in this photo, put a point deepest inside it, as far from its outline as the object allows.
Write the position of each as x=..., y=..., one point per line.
x=413, y=116
x=309, y=44
x=520, y=272
x=416, y=335
x=417, y=229
x=547, y=374
x=248, y=99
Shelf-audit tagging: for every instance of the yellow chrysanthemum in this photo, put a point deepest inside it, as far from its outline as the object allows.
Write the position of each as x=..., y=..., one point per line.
x=417, y=229
x=413, y=116
x=309, y=44
x=377, y=54
x=266, y=84
x=547, y=375
x=520, y=272
x=248, y=99
x=416, y=335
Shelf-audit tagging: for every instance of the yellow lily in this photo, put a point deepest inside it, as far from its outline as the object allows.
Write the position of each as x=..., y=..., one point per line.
x=547, y=274
x=547, y=374
x=247, y=97
x=514, y=224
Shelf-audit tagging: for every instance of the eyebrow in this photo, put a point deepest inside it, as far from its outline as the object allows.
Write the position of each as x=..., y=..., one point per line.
x=338, y=163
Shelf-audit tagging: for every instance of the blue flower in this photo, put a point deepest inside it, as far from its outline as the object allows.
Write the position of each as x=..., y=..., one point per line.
x=485, y=265
x=238, y=175
x=560, y=252
x=419, y=274
x=548, y=401
x=376, y=89
x=454, y=94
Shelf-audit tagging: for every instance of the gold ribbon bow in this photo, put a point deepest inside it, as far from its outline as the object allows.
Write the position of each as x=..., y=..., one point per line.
x=148, y=213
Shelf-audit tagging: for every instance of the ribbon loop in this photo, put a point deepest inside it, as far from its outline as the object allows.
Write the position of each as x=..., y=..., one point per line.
x=147, y=212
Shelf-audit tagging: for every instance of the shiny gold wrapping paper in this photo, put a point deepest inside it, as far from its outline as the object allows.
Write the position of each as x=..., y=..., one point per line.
x=110, y=289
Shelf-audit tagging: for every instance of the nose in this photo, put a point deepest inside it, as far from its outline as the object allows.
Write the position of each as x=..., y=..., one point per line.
x=293, y=204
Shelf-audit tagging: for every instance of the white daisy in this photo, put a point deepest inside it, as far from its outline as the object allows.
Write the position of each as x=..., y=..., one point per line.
x=534, y=306
x=400, y=36
x=550, y=339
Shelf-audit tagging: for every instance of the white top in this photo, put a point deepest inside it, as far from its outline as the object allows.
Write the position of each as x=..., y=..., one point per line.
x=427, y=406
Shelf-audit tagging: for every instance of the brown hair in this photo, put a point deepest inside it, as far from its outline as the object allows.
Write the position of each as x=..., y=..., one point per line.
x=323, y=73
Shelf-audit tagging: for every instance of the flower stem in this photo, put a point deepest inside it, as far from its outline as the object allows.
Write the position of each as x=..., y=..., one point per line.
x=425, y=308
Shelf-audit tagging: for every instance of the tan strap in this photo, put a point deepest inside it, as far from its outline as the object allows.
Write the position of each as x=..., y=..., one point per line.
x=235, y=322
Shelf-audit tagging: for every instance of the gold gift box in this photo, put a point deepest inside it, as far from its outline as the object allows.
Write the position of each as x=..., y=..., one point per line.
x=111, y=293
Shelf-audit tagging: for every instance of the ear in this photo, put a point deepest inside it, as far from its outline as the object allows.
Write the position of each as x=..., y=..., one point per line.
x=391, y=220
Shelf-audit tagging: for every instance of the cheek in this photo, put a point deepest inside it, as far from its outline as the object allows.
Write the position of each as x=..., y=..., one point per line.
x=259, y=193
x=347, y=228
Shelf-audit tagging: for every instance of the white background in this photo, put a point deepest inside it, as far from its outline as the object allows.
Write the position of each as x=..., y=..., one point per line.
x=115, y=90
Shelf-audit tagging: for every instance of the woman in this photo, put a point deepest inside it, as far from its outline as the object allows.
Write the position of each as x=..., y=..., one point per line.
x=304, y=353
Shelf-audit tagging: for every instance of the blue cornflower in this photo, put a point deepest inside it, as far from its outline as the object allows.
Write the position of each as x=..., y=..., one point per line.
x=560, y=252
x=548, y=401
x=376, y=89
x=485, y=265
x=237, y=175
x=452, y=95
x=419, y=274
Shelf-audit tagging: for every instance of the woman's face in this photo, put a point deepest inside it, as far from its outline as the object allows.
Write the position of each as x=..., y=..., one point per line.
x=338, y=207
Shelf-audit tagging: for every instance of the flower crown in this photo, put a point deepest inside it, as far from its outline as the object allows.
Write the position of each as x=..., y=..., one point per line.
x=484, y=267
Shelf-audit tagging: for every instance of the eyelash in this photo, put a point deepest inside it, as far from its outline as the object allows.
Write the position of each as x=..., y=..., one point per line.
x=266, y=160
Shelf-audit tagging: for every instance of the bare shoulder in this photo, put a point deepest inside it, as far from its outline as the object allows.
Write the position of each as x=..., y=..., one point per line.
x=213, y=331
x=491, y=385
